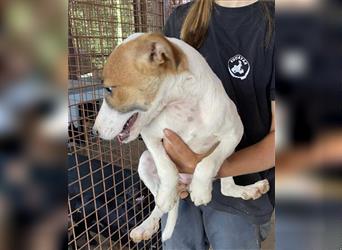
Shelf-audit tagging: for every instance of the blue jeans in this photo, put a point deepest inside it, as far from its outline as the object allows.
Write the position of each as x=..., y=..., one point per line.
x=197, y=228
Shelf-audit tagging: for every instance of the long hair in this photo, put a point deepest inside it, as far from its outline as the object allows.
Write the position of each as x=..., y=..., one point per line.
x=196, y=23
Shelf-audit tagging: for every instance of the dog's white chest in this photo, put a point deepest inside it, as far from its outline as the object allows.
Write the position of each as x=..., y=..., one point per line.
x=186, y=119
x=184, y=112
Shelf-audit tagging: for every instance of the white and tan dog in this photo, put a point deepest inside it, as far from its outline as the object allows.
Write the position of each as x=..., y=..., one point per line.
x=155, y=83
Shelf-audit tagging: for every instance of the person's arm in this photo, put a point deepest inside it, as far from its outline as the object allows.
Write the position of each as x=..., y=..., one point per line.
x=256, y=158
x=253, y=159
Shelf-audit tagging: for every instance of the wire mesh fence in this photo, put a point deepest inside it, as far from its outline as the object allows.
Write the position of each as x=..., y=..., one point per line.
x=106, y=197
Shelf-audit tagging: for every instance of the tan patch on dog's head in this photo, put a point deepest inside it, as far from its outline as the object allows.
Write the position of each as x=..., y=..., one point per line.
x=136, y=68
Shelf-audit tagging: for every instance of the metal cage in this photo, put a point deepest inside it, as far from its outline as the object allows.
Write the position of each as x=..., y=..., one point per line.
x=106, y=198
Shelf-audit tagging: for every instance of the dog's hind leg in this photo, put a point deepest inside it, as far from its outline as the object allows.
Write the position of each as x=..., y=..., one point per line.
x=206, y=170
x=148, y=174
x=253, y=191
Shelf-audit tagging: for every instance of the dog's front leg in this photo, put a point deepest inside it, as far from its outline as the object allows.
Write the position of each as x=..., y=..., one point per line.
x=167, y=172
x=148, y=174
x=206, y=170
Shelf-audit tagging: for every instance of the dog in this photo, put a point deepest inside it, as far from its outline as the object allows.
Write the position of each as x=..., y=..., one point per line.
x=153, y=83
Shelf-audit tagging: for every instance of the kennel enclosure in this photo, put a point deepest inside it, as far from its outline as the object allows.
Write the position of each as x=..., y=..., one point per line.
x=106, y=198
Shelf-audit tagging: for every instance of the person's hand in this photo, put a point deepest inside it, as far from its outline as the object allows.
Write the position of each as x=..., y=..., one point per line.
x=185, y=159
x=180, y=153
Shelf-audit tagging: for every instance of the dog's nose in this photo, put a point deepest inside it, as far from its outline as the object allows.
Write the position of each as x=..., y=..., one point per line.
x=95, y=131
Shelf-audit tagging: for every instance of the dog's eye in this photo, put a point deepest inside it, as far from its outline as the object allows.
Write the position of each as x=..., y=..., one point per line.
x=109, y=89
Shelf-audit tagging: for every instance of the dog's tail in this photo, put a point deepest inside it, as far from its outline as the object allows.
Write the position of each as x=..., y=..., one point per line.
x=170, y=222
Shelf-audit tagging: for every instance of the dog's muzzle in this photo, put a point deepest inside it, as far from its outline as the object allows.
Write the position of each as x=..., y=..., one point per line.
x=110, y=123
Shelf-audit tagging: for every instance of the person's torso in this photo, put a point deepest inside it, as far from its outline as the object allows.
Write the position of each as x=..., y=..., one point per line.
x=237, y=51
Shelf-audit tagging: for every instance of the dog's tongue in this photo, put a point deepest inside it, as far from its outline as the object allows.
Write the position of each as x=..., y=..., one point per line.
x=123, y=136
x=126, y=129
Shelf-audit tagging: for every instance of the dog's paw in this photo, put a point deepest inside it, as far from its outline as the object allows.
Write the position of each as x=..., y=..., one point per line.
x=166, y=199
x=255, y=190
x=145, y=230
x=263, y=186
x=200, y=192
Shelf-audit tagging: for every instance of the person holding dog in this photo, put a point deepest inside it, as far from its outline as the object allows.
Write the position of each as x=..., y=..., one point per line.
x=237, y=39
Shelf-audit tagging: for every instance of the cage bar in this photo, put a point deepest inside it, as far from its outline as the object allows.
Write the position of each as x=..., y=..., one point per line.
x=106, y=198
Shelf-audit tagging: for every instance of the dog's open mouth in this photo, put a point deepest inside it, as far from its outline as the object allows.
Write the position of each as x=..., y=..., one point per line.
x=124, y=134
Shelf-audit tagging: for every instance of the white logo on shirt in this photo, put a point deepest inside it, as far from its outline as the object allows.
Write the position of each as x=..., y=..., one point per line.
x=238, y=67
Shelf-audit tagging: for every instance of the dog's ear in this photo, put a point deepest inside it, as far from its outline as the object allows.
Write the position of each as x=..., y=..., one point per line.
x=159, y=53
x=162, y=54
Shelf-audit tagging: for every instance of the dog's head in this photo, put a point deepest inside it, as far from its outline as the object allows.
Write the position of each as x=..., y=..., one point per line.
x=133, y=76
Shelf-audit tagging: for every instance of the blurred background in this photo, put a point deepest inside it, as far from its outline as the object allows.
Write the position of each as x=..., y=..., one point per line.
x=33, y=124
x=309, y=124
x=61, y=187
x=34, y=121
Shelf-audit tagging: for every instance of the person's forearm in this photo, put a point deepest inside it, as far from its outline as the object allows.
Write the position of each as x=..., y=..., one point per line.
x=255, y=158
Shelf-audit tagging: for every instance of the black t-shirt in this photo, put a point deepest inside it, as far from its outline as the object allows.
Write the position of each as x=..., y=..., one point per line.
x=236, y=49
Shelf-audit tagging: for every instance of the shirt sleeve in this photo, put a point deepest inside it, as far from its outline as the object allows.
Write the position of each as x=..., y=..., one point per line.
x=169, y=28
x=174, y=23
x=272, y=87
x=272, y=84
